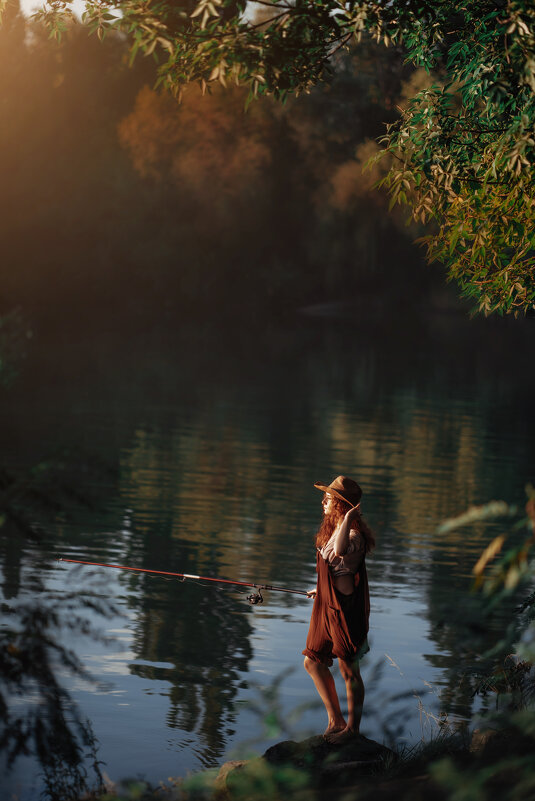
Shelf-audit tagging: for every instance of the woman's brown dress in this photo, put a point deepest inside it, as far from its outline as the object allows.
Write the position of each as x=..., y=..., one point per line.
x=339, y=623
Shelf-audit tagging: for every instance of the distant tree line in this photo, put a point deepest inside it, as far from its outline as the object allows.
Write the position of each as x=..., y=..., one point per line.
x=462, y=154
x=119, y=201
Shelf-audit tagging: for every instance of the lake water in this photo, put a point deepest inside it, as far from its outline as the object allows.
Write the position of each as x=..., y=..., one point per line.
x=196, y=452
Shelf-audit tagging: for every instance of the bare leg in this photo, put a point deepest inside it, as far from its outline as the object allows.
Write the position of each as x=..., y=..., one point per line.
x=324, y=683
x=355, y=701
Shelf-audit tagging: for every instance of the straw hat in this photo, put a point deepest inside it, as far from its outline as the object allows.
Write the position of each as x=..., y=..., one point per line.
x=344, y=488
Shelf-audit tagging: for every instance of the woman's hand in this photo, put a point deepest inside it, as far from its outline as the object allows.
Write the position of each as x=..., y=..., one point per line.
x=342, y=538
x=312, y=593
x=353, y=514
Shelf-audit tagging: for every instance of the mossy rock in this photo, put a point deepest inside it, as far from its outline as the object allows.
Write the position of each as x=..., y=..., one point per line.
x=290, y=768
x=324, y=759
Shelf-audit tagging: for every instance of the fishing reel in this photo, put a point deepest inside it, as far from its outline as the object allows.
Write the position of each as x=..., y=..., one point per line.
x=255, y=598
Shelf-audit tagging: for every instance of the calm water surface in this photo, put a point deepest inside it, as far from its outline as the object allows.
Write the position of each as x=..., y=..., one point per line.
x=197, y=453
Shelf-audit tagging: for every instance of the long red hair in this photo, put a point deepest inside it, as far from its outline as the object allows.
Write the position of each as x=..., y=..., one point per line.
x=335, y=517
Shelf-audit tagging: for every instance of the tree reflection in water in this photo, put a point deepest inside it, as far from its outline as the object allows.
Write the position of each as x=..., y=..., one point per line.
x=40, y=718
x=206, y=635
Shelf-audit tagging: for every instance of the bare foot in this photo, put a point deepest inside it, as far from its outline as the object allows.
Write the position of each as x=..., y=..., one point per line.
x=334, y=727
x=340, y=735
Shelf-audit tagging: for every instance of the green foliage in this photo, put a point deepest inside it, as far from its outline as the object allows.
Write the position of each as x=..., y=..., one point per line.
x=514, y=776
x=512, y=681
x=258, y=779
x=505, y=766
x=505, y=574
x=464, y=147
x=498, y=573
x=466, y=153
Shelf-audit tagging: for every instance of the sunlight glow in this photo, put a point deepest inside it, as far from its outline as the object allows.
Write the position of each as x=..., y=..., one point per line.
x=29, y=7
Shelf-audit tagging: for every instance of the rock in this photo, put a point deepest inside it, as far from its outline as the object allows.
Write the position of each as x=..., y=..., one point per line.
x=290, y=767
x=356, y=755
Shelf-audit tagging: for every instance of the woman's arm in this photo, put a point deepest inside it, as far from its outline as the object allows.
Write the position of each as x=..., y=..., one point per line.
x=341, y=542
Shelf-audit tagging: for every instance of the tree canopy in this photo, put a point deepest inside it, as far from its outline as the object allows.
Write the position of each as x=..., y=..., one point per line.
x=461, y=155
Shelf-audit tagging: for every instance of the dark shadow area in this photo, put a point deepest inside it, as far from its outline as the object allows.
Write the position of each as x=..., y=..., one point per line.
x=40, y=719
x=123, y=208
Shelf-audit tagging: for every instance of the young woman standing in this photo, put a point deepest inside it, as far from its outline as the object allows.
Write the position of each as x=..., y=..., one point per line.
x=340, y=616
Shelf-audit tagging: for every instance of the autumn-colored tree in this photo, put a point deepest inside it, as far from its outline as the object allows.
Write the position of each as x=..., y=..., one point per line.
x=206, y=146
x=463, y=149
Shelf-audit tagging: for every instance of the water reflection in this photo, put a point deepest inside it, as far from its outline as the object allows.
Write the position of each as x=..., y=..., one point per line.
x=212, y=451
x=40, y=718
x=205, y=636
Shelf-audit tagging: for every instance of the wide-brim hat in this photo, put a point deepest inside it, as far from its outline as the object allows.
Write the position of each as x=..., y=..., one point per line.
x=344, y=488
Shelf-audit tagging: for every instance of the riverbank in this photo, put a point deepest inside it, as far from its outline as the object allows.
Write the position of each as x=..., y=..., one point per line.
x=491, y=764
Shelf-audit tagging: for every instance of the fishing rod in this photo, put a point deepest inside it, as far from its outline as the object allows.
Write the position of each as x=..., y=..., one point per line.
x=254, y=598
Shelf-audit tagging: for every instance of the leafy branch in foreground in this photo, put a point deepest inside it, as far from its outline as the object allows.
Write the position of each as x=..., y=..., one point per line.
x=465, y=157
x=506, y=766
x=506, y=573
x=464, y=148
